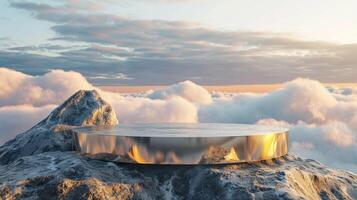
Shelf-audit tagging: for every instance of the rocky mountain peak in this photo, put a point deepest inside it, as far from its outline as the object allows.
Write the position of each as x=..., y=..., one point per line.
x=85, y=107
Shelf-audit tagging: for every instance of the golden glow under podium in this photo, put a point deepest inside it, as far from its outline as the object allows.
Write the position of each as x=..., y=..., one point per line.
x=182, y=143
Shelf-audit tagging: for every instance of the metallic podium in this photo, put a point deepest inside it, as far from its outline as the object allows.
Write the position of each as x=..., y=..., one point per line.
x=182, y=143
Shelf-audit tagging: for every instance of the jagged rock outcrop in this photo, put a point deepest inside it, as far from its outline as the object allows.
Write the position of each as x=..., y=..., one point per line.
x=81, y=109
x=53, y=133
x=34, y=169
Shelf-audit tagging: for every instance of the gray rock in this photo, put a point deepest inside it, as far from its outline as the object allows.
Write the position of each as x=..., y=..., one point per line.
x=81, y=109
x=53, y=133
x=68, y=175
x=39, y=164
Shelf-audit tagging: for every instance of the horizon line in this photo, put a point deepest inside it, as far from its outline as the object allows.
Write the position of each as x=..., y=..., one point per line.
x=255, y=88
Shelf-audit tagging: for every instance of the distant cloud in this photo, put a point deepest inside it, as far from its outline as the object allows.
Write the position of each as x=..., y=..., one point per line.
x=300, y=99
x=162, y=52
x=118, y=76
x=323, y=123
x=187, y=89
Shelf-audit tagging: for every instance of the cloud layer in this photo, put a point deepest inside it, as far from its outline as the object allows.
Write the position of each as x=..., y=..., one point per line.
x=323, y=121
x=100, y=44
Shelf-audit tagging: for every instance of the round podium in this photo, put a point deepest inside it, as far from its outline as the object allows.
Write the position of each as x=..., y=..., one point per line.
x=182, y=143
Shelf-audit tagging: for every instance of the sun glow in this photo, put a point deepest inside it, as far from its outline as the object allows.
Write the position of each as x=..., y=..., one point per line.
x=232, y=155
x=270, y=146
x=134, y=154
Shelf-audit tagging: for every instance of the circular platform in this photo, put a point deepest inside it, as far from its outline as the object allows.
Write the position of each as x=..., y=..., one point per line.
x=181, y=143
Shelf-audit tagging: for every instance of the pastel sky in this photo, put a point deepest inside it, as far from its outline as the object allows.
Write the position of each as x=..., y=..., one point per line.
x=142, y=42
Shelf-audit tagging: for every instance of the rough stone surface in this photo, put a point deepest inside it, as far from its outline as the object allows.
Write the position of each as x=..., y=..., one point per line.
x=81, y=109
x=68, y=175
x=36, y=170
x=53, y=133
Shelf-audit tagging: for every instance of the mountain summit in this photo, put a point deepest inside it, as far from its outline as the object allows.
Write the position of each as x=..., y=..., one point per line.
x=81, y=109
x=53, y=133
x=41, y=164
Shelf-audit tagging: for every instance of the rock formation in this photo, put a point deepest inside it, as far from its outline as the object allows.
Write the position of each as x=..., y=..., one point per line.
x=53, y=133
x=41, y=164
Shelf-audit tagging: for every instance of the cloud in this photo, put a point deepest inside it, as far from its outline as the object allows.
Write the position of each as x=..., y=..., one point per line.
x=343, y=91
x=187, y=90
x=141, y=109
x=26, y=99
x=51, y=88
x=117, y=76
x=165, y=52
x=332, y=143
x=322, y=122
x=19, y=118
x=300, y=99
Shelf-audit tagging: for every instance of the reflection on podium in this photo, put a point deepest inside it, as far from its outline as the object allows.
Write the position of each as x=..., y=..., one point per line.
x=181, y=149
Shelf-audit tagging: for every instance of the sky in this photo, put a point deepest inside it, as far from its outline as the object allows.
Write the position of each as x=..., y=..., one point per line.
x=161, y=42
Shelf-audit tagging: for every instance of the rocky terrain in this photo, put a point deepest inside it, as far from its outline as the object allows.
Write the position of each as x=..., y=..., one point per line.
x=53, y=133
x=41, y=164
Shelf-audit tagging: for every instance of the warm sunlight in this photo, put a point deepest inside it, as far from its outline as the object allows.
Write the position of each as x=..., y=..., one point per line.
x=178, y=99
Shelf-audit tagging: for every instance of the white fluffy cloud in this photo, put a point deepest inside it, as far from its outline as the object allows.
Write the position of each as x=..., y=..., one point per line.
x=323, y=121
x=51, y=88
x=187, y=90
x=19, y=118
x=301, y=99
x=143, y=109
x=26, y=99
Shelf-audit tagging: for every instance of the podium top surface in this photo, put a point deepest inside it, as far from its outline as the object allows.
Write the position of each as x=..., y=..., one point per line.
x=182, y=130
